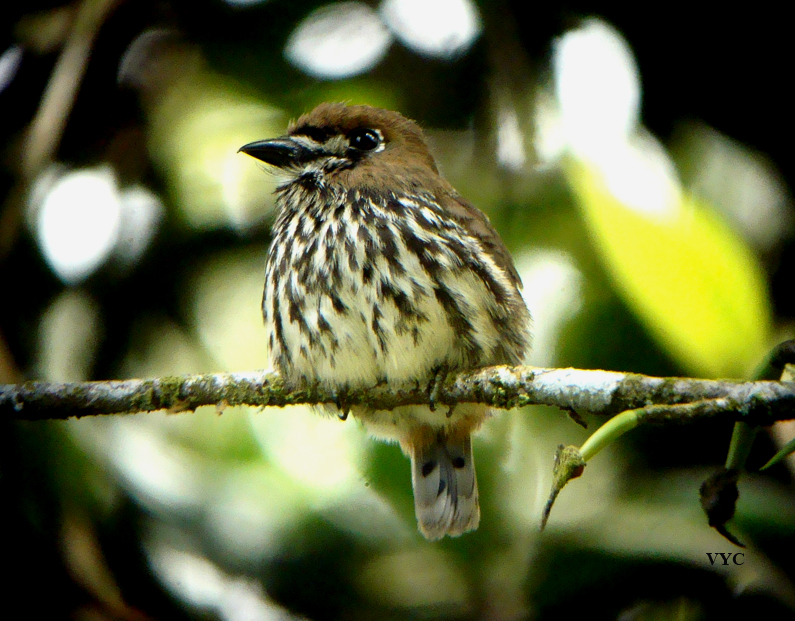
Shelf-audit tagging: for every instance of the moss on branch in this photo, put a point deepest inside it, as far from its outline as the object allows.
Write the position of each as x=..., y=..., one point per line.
x=576, y=390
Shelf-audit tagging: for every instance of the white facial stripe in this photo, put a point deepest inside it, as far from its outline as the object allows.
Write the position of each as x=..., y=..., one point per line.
x=306, y=141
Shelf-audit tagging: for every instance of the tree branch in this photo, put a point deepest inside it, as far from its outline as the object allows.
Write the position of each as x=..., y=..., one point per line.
x=575, y=390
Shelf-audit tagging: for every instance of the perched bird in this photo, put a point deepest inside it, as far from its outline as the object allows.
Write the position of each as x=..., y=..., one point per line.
x=379, y=272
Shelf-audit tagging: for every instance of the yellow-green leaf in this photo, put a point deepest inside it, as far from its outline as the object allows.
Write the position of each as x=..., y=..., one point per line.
x=689, y=278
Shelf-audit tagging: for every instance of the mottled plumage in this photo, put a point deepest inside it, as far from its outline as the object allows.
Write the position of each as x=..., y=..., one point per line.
x=380, y=272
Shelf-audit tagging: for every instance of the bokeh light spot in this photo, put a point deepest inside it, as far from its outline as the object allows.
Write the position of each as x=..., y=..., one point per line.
x=597, y=86
x=598, y=93
x=225, y=307
x=641, y=175
x=197, y=129
x=741, y=183
x=69, y=336
x=321, y=453
x=10, y=60
x=142, y=212
x=339, y=41
x=201, y=584
x=79, y=221
x=440, y=28
x=553, y=293
x=414, y=578
x=510, y=140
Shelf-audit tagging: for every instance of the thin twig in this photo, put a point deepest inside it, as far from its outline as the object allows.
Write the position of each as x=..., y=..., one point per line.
x=59, y=96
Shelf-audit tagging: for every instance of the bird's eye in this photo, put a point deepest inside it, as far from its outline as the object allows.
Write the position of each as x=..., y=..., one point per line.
x=364, y=139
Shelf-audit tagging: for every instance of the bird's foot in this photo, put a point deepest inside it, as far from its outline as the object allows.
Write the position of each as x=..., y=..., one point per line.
x=435, y=387
x=340, y=397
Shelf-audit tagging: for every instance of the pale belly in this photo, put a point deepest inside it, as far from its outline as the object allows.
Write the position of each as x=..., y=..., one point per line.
x=375, y=324
x=357, y=340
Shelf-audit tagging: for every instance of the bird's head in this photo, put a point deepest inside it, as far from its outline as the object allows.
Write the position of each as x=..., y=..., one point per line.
x=350, y=145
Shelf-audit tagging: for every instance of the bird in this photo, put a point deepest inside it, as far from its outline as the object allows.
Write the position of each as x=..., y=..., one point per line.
x=380, y=273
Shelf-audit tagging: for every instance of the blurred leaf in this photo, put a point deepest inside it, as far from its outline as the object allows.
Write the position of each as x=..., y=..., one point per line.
x=197, y=128
x=788, y=449
x=691, y=280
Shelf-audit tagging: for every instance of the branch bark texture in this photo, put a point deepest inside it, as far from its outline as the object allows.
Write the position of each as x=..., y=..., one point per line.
x=575, y=390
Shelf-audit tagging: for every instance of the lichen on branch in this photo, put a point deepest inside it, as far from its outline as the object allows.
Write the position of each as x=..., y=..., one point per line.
x=574, y=390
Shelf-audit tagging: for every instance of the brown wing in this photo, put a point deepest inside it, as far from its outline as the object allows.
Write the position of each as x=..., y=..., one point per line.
x=477, y=223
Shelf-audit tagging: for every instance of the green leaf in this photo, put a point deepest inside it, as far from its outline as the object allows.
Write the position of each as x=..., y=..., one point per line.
x=784, y=452
x=691, y=280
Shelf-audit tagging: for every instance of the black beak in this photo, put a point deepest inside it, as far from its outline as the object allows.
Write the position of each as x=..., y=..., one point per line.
x=279, y=152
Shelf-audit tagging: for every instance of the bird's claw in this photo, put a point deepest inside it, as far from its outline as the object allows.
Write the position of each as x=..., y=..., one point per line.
x=340, y=400
x=435, y=388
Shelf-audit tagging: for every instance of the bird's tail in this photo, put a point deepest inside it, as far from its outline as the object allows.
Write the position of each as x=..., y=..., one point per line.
x=445, y=484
